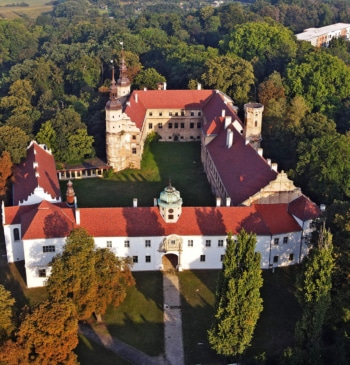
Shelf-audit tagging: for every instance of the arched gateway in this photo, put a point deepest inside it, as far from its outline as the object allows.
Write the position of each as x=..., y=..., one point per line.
x=170, y=262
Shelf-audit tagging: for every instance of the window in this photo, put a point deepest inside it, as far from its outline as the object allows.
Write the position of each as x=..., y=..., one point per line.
x=148, y=243
x=190, y=243
x=275, y=259
x=256, y=123
x=176, y=114
x=276, y=241
x=199, y=124
x=192, y=114
x=220, y=243
x=133, y=150
x=126, y=243
x=170, y=137
x=291, y=256
x=191, y=125
x=135, y=259
x=176, y=125
x=199, y=114
x=222, y=257
x=160, y=114
x=133, y=137
x=285, y=239
x=16, y=234
x=150, y=125
x=170, y=114
x=170, y=125
x=148, y=259
x=42, y=273
x=160, y=125
x=208, y=243
x=109, y=244
x=182, y=114
x=171, y=216
x=202, y=258
x=182, y=125
x=49, y=248
x=150, y=114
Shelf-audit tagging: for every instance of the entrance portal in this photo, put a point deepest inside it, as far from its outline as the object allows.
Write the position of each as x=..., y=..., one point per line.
x=170, y=262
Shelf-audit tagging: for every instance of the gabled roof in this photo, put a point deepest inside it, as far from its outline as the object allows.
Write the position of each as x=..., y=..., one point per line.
x=47, y=220
x=242, y=170
x=304, y=209
x=37, y=170
x=142, y=100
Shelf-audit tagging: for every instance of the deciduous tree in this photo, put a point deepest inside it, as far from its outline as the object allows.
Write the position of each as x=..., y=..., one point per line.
x=14, y=141
x=6, y=314
x=238, y=302
x=5, y=171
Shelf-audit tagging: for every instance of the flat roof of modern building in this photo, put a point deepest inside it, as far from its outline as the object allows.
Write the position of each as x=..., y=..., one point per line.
x=311, y=33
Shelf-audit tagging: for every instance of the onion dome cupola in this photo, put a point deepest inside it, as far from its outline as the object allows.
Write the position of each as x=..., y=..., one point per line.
x=113, y=103
x=170, y=204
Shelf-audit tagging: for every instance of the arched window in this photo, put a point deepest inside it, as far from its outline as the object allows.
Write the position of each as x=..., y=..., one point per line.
x=16, y=234
x=256, y=123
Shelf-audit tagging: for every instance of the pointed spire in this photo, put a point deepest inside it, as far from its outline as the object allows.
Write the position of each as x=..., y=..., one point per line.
x=123, y=72
x=113, y=90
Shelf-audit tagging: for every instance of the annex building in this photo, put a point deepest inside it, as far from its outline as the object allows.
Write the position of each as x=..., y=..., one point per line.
x=320, y=37
x=250, y=191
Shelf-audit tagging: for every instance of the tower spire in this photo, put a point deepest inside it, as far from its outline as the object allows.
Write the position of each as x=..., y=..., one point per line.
x=113, y=94
x=123, y=82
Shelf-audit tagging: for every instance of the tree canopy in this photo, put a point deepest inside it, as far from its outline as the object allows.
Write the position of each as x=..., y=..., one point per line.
x=238, y=303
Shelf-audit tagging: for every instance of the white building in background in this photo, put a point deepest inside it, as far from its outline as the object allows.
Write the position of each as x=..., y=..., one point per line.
x=320, y=37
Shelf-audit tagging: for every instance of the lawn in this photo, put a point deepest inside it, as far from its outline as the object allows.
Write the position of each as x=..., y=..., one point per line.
x=179, y=162
x=35, y=8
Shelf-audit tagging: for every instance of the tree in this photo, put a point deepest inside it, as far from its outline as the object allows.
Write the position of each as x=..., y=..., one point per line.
x=313, y=292
x=80, y=145
x=14, y=141
x=93, y=278
x=238, y=303
x=47, y=336
x=148, y=78
x=47, y=135
x=6, y=314
x=113, y=276
x=5, y=171
x=232, y=75
x=73, y=273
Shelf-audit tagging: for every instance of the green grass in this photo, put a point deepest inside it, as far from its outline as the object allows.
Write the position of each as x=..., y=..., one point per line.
x=90, y=353
x=138, y=321
x=178, y=161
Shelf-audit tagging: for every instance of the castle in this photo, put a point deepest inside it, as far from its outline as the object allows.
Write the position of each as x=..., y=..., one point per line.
x=250, y=192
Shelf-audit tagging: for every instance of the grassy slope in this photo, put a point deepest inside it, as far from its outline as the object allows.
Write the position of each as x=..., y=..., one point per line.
x=35, y=8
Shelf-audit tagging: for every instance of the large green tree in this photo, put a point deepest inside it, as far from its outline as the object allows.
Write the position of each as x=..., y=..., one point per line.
x=14, y=141
x=238, y=302
x=230, y=74
x=6, y=314
x=314, y=295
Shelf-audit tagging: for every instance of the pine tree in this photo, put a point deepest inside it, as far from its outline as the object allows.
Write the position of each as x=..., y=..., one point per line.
x=313, y=292
x=238, y=302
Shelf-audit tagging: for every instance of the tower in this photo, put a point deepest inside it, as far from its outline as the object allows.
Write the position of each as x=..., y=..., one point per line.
x=253, y=123
x=170, y=204
x=123, y=83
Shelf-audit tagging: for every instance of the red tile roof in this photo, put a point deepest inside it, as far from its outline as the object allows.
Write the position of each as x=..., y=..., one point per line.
x=48, y=220
x=27, y=177
x=304, y=209
x=164, y=99
x=242, y=170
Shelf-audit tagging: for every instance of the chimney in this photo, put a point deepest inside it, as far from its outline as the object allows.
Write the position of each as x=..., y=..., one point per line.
x=229, y=138
x=134, y=202
x=218, y=202
x=268, y=160
x=155, y=202
x=164, y=85
x=70, y=194
x=136, y=98
x=274, y=166
x=260, y=152
x=228, y=120
x=199, y=86
x=228, y=201
x=77, y=216
x=145, y=89
x=35, y=164
x=37, y=174
x=223, y=112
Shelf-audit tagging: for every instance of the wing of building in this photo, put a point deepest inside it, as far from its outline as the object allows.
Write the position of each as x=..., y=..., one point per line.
x=251, y=193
